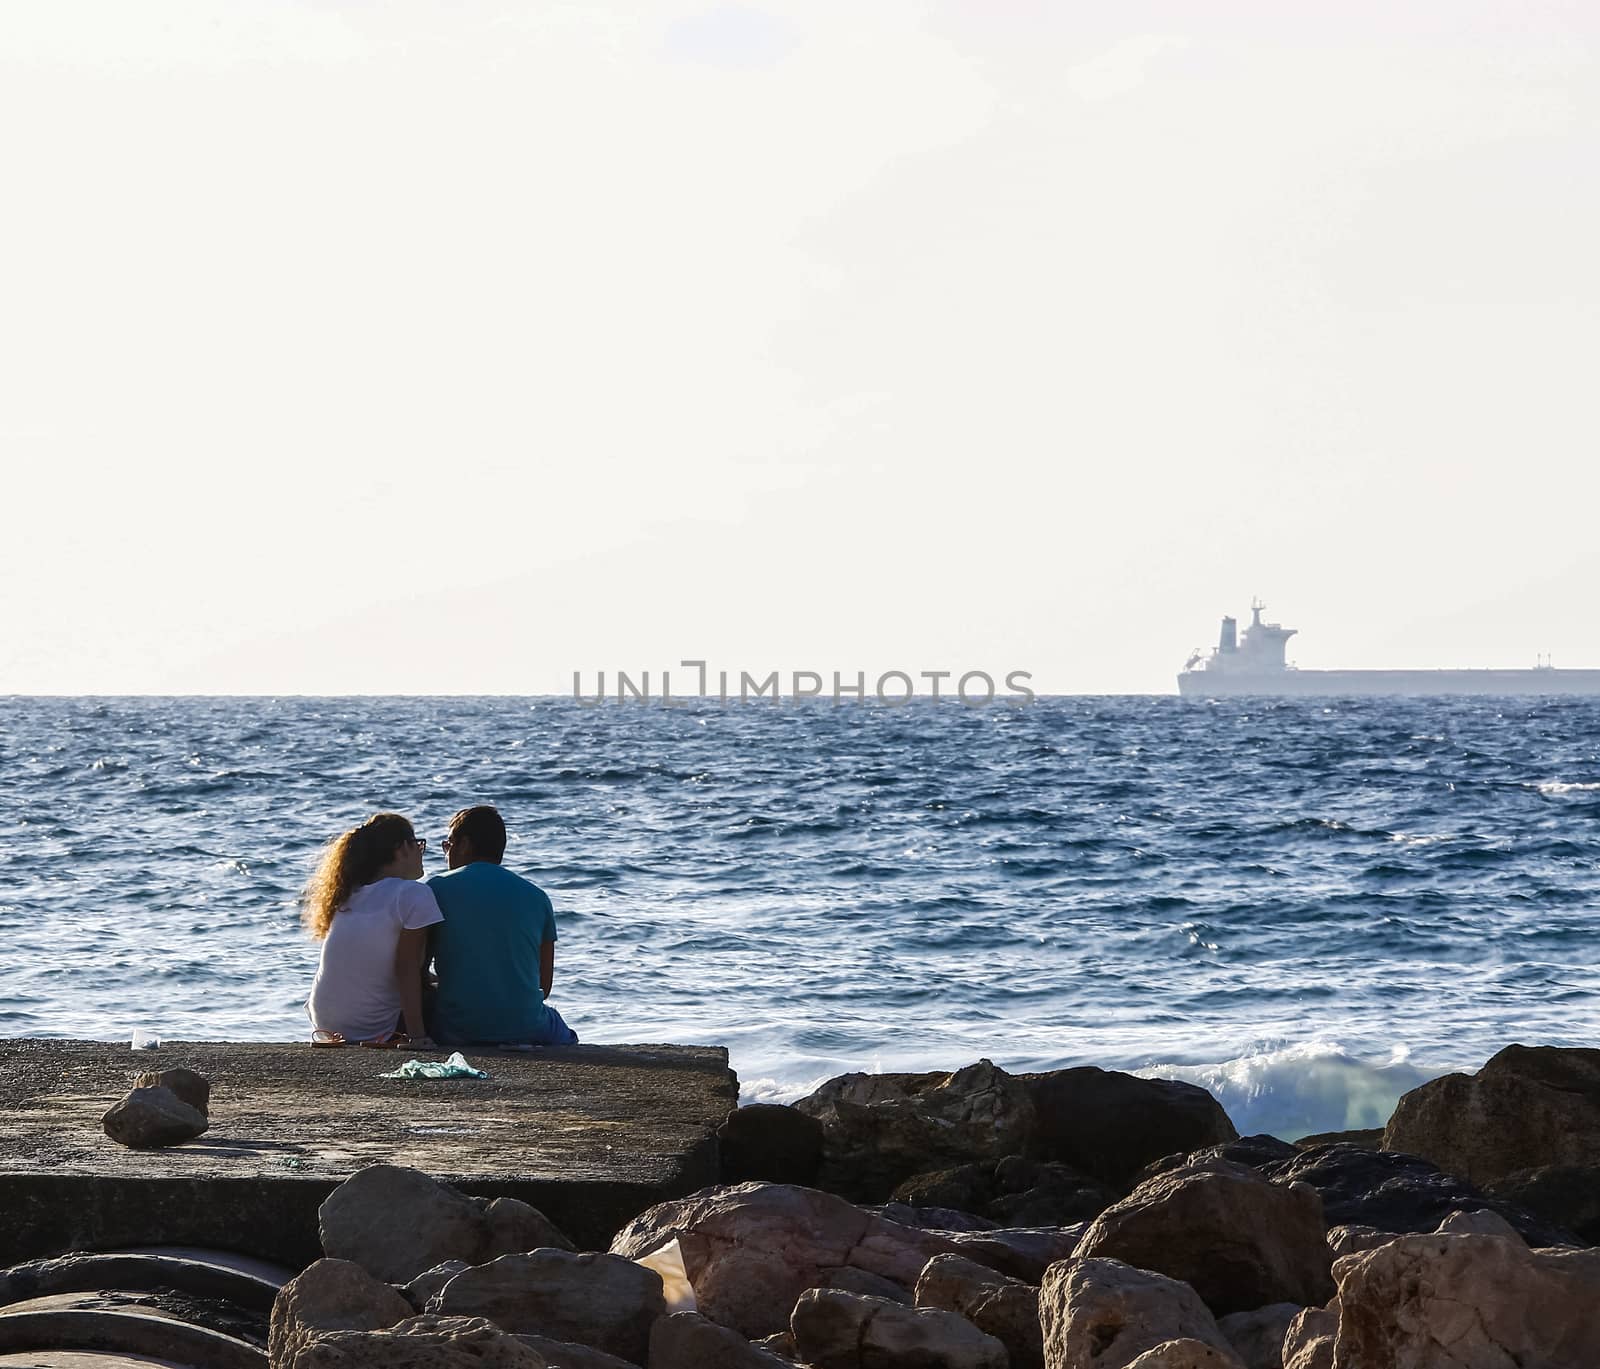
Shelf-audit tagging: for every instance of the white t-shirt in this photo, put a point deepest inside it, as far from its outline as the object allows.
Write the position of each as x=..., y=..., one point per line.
x=355, y=992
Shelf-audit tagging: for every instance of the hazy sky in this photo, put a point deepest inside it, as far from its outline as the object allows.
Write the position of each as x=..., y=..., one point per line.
x=450, y=347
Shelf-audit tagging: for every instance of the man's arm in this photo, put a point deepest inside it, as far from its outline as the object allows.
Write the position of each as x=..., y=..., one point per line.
x=547, y=966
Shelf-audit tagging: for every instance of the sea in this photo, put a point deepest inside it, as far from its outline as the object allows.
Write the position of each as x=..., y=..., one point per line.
x=1306, y=906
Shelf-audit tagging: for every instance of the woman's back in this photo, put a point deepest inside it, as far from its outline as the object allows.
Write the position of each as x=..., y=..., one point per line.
x=355, y=992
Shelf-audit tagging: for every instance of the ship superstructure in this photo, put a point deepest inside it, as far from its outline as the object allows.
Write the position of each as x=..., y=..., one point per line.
x=1256, y=663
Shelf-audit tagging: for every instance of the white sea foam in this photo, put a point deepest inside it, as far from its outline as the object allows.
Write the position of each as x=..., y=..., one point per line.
x=778, y=1090
x=1552, y=788
x=1296, y=1090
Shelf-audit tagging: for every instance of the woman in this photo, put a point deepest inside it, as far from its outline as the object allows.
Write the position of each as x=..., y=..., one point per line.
x=371, y=915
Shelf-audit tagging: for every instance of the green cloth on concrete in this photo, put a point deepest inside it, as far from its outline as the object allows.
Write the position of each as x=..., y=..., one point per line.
x=455, y=1067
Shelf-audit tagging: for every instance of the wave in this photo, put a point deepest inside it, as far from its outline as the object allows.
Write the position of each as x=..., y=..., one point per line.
x=1555, y=788
x=1303, y=1089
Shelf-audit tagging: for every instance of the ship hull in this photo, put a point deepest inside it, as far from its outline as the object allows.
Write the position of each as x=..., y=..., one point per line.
x=1212, y=684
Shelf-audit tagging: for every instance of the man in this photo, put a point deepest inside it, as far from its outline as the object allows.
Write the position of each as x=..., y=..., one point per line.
x=495, y=951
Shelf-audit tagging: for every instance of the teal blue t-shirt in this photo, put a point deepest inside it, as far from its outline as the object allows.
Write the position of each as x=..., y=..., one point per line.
x=486, y=954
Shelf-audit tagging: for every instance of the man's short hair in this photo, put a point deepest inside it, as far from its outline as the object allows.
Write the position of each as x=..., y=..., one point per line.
x=484, y=828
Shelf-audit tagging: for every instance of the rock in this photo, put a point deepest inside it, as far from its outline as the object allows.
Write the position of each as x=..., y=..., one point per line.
x=1014, y=1192
x=835, y=1330
x=751, y=1250
x=771, y=1143
x=1238, y=1239
x=1480, y=1223
x=430, y=1281
x=1399, y=1193
x=1022, y=1252
x=868, y=1285
x=932, y=1218
x=1467, y=1302
x=564, y=1354
x=1103, y=1314
x=1529, y=1106
x=397, y=1223
x=150, y=1117
x=330, y=1295
x=686, y=1340
x=1562, y=1195
x=512, y=1227
x=1110, y=1125
x=191, y=1087
x=1257, y=1337
x=781, y=1344
x=996, y=1304
x=1368, y=1138
x=1258, y=1152
x=1186, y=1354
x=420, y=1343
x=600, y=1300
x=879, y=1129
x=1031, y=1193
x=1352, y=1239
x=966, y=1188
x=1309, y=1341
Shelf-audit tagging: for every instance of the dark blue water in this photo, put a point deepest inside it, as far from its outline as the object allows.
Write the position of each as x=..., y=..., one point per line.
x=1308, y=908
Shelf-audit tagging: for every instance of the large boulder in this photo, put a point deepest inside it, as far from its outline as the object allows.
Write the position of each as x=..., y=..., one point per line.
x=1110, y=1125
x=1398, y=1193
x=151, y=1117
x=1238, y=1239
x=1467, y=1302
x=421, y=1343
x=751, y=1250
x=836, y=1330
x=1257, y=1336
x=1562, y=1195
x=879, y=1129
x=995, y=1303
x=686, y=1340
x=600, y=1300
x=770, y=1143
x=1530, y=1106
x=396, y=1223
x=330, y=1295
x=1103, y=1314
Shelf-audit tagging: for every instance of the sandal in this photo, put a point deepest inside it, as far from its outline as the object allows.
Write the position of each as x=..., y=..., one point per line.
x=389, y=1041
x=323, y=1037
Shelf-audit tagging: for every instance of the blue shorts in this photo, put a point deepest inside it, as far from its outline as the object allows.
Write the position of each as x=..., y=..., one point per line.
x=556, y=1033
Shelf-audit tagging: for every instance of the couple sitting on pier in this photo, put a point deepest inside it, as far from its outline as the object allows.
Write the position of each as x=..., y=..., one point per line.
x=490, y=935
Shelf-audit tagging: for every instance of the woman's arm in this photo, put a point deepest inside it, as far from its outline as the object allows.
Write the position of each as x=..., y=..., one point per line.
x=409, y=954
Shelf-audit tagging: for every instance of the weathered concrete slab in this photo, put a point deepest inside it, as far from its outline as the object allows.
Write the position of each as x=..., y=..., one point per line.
x=590, y=1135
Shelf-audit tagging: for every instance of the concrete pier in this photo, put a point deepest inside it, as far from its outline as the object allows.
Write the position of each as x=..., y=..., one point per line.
x=590, y=1135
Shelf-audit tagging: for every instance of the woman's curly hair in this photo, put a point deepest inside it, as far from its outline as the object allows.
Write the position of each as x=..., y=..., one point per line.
x=351, y=860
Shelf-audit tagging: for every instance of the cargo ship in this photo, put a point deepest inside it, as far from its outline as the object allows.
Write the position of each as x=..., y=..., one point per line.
x=1254, y=663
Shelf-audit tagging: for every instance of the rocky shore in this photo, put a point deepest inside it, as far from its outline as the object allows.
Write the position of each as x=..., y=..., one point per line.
x=1076, y=1219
